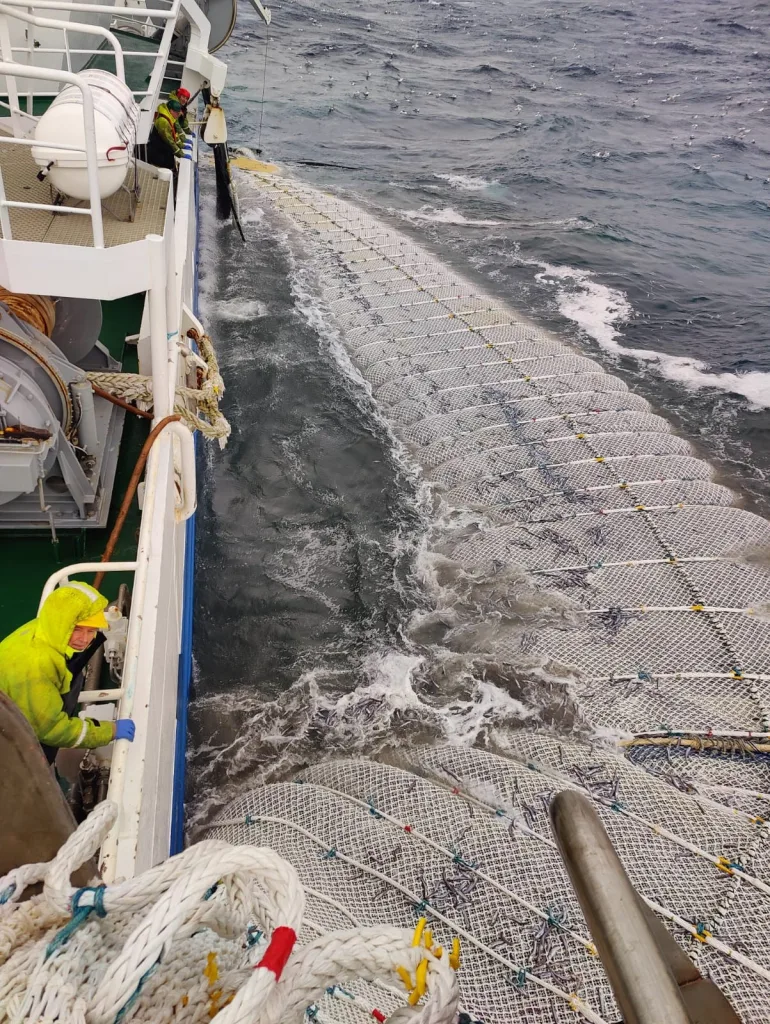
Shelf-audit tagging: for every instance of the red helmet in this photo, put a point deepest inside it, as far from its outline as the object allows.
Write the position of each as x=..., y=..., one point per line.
x=183, y=95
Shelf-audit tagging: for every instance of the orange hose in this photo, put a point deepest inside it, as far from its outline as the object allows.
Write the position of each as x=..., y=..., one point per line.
x=128, y=497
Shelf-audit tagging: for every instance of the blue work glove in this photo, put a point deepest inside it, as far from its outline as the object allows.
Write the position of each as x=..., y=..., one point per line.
x=125, y=729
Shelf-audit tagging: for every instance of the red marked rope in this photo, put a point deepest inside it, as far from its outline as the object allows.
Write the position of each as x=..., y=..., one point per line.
x=278, y=952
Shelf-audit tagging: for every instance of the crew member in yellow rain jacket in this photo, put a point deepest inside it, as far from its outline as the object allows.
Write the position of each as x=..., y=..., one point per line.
x=41, y=669
x=182, y=96
x=166, y=141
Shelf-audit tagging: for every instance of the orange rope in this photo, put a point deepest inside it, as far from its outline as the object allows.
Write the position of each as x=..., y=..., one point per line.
x=37, y=310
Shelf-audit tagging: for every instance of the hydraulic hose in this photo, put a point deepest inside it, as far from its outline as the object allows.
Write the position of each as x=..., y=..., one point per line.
x=128, y=497
x=120, y=402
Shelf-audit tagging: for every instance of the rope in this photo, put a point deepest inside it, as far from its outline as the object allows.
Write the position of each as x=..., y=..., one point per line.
x=212, y=931
x=37, y=310
x=724, y=745
x=137, y=388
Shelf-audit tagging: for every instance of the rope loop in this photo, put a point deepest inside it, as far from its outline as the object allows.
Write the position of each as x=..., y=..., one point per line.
x=197, y=406
x=180, y=943
x=80, y=914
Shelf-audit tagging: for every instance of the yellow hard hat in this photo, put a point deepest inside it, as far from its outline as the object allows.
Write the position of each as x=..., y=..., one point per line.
x=97, y=621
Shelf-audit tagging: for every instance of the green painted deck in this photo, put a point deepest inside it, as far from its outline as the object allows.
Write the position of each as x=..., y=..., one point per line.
x=28, y=558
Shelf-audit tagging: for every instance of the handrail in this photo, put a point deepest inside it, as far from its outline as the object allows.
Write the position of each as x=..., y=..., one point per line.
x=641, y=979
x=65, y=27
x=122, y=12
x=11, y=140
x=62, y=575
x=13, y=70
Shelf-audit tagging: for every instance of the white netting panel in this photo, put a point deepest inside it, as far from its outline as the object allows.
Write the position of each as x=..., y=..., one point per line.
x=654, y=592
x=520, y=415
x=468, y=837
x=510, y=434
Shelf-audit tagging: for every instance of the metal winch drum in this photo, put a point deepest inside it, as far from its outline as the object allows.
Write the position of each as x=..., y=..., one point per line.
x=116, y=117
x=57, y=438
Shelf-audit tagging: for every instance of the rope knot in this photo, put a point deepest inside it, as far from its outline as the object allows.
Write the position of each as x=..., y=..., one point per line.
x=555, y=918
x=80, y=914
x=463, y=863
x=373, y=810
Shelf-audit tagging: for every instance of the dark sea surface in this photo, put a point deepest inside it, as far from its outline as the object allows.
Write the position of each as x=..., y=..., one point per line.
x=603, y=167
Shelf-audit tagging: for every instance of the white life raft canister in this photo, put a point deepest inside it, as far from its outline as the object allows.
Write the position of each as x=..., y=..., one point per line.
x=116, y=117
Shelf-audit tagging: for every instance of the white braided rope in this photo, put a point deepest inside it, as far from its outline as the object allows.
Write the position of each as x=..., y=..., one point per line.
x=137, y=388
x=175, y=943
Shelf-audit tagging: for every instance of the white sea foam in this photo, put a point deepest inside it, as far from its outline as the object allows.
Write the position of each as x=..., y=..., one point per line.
x=466, y=183
x=600, y=311
x=446, y=216
x=260, y=739
x=240, y=309
x=252, y=216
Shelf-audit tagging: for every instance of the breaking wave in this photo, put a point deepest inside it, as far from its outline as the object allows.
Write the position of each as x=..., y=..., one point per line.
x=445, y=216
x=600, y=312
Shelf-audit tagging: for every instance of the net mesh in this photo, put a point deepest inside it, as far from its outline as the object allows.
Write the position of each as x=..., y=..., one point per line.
x=462, y=835
x=661, y=637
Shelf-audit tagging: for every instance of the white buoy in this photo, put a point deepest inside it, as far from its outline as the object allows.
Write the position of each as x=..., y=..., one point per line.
x=116, y=117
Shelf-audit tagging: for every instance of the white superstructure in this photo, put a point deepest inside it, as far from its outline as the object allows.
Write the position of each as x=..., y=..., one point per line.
x=68, y=242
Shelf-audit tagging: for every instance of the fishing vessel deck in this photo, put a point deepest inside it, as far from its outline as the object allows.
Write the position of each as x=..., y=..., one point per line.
x=124, y=220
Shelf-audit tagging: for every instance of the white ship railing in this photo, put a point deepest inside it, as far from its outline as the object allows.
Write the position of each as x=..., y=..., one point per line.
x=121, y=17
x=66, y=28
x=95, y=212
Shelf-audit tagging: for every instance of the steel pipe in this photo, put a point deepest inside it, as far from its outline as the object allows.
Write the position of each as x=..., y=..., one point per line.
x=641, y=979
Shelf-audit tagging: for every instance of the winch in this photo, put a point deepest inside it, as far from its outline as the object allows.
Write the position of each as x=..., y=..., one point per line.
x=58, y=440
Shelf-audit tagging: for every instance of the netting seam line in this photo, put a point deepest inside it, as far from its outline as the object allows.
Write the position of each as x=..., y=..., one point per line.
x=540, y=397
x=421, y=354
x=560, y=439
x=586, y=414
x=574, y=1001
x=538, y=497
x=625, y=510
x=417, y=834
x=738, y=790
x=630, y=564
x=387, y=295
x=425, y=319
x=439, y=391
x=702, y=609
x=617, y=678
x=601, y=460
x=721, y=863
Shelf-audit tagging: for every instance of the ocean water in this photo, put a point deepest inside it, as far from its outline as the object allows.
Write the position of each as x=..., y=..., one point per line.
x=603, y=167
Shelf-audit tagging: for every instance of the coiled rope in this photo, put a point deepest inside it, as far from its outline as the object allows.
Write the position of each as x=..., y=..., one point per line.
x=37, y=310
x=204, y=399
x=211, y=932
